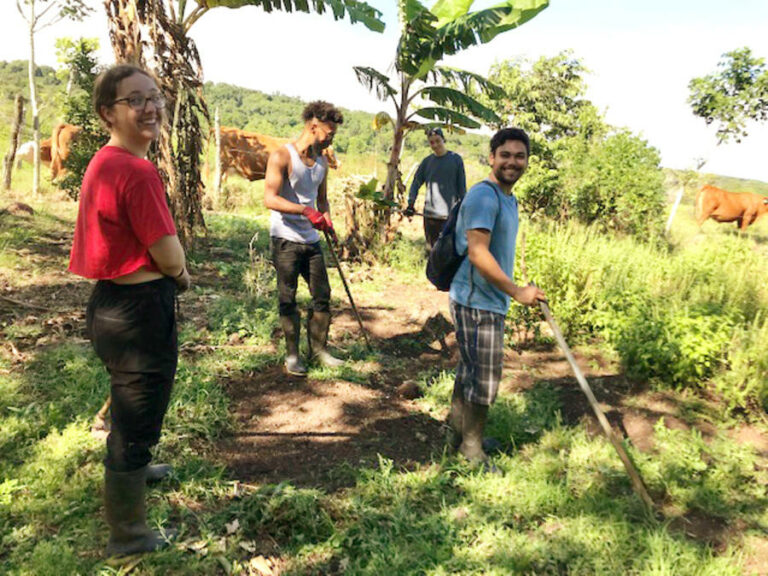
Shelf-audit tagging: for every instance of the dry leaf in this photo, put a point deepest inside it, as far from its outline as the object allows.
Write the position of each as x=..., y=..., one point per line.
x=233, y=526
x=261, y=566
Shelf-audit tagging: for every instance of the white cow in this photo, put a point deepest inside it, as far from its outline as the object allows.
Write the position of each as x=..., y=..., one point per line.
x=26, y=152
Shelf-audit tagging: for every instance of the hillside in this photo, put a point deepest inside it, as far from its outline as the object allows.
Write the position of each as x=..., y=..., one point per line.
x=273, y=114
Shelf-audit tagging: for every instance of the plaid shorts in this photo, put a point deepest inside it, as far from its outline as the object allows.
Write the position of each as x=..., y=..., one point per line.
x=480, y=335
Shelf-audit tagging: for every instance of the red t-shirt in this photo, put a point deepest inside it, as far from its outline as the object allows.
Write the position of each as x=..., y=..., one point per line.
x=122, y=213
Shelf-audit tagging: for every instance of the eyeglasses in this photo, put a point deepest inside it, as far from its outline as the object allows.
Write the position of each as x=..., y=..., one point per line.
x=139, y=101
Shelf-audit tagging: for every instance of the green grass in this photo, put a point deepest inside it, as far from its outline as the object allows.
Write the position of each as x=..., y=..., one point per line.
x=562, y=506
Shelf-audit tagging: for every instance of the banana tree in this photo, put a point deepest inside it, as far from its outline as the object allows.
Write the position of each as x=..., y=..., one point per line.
x=425, y=94
x=163, y=26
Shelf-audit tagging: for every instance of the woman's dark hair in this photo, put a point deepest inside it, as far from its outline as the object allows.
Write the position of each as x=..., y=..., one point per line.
x=506, y=134
x=105, y=87
x=323, y=111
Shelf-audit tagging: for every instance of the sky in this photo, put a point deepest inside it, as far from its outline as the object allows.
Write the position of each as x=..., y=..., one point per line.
x=641, y=57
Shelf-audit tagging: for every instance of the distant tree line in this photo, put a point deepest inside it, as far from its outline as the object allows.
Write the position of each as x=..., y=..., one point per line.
x=581, y=167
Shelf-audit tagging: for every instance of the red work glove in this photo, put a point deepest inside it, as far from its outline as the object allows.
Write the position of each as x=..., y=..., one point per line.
x=316, y=218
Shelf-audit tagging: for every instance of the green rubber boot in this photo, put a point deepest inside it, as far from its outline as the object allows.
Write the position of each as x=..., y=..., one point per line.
x=318, y=324
x=292, y=330
x=473, y=424
x=127, y=515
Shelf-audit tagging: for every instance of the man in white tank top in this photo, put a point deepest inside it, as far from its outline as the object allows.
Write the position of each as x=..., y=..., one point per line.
x=295, y=190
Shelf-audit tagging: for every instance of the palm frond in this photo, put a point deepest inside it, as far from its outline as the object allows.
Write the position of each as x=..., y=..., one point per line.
x=469, y=81
x=447, y=10
x=460, y=101
x=483, y=26
x=357, y=10
x=374, y=81
x=417, y=31
x=447, y=116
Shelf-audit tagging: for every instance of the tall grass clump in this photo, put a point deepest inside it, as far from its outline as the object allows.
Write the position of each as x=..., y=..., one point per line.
x=678, y=317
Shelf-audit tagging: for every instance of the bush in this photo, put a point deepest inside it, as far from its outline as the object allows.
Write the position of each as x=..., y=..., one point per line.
x=678, y=317
x=616, y=183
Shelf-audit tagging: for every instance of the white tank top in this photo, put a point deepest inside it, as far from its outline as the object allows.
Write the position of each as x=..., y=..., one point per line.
x=301, y=188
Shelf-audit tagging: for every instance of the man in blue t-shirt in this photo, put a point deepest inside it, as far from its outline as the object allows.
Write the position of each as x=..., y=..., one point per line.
x=443, y=174
x=486, y=230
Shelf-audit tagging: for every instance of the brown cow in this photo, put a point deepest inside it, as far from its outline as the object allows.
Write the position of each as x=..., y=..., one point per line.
x=62, y=139
x=722, y=206
x=26, y=152
x=246, y=153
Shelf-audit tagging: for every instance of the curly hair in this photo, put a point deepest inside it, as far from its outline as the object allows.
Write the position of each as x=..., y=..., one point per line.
x=323, y=111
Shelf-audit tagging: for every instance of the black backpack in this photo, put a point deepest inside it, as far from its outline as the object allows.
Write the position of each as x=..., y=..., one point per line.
x=443, y=261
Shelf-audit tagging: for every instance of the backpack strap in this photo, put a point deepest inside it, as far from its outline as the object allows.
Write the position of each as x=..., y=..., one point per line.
x=471, y=267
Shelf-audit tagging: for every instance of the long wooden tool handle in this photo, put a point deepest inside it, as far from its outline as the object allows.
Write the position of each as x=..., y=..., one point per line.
x=634, y=476
x=332, y=250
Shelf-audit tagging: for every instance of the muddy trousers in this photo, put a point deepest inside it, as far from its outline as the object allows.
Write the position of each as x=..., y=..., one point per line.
x=133, y=330
x=294, y=259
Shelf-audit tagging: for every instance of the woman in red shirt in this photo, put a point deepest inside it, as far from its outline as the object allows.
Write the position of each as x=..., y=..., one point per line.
x=126, y=240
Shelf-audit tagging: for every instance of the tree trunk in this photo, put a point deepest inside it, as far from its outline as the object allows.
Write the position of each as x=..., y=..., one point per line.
x=177, y=64
x=393, y=185
x=394, y=188
x=10, y=157
x=33, y=101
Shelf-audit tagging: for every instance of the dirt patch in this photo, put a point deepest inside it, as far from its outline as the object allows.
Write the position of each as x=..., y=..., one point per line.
x=312, y=432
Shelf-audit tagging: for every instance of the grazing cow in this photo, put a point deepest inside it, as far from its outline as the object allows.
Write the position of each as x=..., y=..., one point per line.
x=722, y=206
x=64, y=135
x=26, y=152
x=246, y=153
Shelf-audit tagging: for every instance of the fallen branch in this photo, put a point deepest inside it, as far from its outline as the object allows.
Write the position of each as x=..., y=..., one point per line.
x=31, y=306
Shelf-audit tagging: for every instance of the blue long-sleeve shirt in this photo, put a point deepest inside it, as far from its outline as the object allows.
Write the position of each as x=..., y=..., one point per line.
x=445, y=180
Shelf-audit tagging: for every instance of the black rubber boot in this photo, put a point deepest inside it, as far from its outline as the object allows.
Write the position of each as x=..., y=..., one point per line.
x=292, y=330
x=158, y=472
x=318, y=324
x=127, y=515
x=456, y=418
x=473, y=424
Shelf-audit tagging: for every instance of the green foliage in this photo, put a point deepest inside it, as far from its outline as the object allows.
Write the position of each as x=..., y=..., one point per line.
x=78, y=57
x=701, y=473
x=617, y=184
x=676, y=347
x=356, y=10
x=745, y=381
x=426, y=37
x=733, y=96
x=13, y=81
x=680, y=318
x=562, y=505
x=580, y=167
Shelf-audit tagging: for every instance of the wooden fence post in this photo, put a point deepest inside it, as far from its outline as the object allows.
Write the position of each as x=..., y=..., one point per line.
x=217, y=172
x=10, y=156
x=674, y=208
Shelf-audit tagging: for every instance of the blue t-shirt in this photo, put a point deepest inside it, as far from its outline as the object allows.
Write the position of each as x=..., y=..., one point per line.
x=486, y=207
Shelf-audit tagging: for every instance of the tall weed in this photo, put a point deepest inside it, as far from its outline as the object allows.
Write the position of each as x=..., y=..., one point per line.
x=676, y=315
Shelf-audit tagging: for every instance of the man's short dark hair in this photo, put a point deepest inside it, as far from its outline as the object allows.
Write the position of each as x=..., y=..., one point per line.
x=437, y=130
x=323, y=111
x=506, y=134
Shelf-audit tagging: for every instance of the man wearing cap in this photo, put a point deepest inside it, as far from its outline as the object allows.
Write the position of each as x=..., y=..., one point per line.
x=443, y=173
